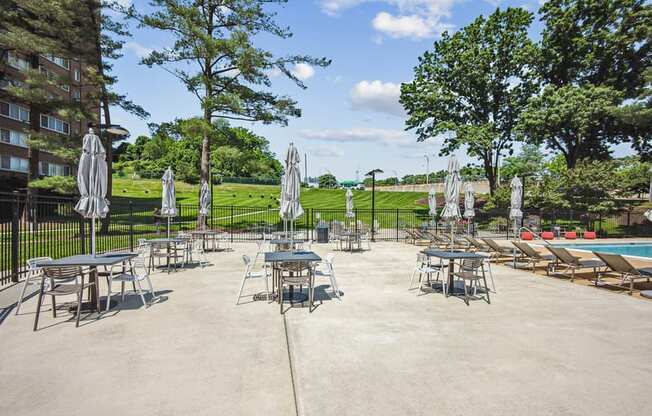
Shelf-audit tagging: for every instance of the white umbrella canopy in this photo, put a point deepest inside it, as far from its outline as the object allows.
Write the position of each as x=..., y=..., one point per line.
x=451, y=211
x=515, y=213
x=469, y=201
x=204, y=201
x=92, y=179
x=648, y=213
x=169, y=197
x=349, y=204
x=291, y=208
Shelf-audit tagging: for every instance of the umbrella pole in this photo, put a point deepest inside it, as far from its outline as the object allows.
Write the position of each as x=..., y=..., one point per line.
x=168, y=227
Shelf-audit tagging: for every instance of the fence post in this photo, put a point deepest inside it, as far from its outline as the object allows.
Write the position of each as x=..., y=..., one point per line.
x=397, y=225
x=231, y=227
x=15, y=235
x=131, y=226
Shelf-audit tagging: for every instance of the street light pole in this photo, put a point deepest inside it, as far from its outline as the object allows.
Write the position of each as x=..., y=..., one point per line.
x=373, y=201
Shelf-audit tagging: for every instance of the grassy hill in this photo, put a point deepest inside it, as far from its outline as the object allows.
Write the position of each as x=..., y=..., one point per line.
x=264, y=195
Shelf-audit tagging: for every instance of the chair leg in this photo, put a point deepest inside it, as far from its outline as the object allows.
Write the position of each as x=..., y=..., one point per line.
x=486, y=288
x=140, y=292
x=414, y=272
x=151, y=287
x=244, y=278
x=38, y=307
x=79, y=303
x=108, y=295
x=22, y=294
x=334, y=286
x=54, y=307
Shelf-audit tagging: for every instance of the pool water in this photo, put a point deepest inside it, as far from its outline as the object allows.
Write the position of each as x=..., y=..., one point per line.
x=626, y=249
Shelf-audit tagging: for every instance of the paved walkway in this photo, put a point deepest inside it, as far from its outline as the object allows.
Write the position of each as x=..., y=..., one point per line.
x=543, y=346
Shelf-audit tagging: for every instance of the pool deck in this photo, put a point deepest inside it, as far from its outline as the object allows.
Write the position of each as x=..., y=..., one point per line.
x=544, y=346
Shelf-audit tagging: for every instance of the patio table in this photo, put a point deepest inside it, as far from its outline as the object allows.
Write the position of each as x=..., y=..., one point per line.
x=170, y=244
x=206, y=235
x=285, y=243
x=289, y=257
x=351, y=238
x=451, y=256
x=92, y=262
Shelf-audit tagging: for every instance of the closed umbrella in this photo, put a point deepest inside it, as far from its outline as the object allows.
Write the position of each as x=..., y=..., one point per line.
x=451, y=211
x=169, y=199
x=281, y=202
x=204, y=202
x=291, y=208
x=469, y=204
x=515, y=213
x=349, y=204
x=432, y=203
x=648, y=213
x=92, y=182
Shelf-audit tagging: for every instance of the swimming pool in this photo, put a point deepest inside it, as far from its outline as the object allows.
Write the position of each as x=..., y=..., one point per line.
x=626, y=249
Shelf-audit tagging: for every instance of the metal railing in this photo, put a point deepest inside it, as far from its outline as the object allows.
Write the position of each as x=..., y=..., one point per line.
x=49, y=226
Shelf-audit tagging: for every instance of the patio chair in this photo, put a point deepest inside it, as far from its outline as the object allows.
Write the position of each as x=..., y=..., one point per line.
x=572, y=263
x=33, y=277
x=472, y=270
x=365, y=239
x=326, y=270
x=497, y=251
x=138, y=273
x=478, y=245
x=249, y=274
x=532, y=256
x=197, y=250
x=628, y=273
x=411, y=235
x=60, y=279
x=297, y=274
x=423, y=267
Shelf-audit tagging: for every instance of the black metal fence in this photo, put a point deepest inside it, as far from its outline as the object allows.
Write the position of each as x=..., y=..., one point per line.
x=49, y=226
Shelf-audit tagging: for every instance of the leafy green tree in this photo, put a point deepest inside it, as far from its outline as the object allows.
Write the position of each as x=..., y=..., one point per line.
x=634, y=176
x=529, y=161
x=472, y=87
x=594, y=54
x=327, y=180
x=215, y=58
x=636, y=119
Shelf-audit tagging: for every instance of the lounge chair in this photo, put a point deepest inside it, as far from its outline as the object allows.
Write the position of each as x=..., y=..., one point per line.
x=619, y=264
x=532, y=256
x=497, y=251
x=478, y=245
x=572, y=263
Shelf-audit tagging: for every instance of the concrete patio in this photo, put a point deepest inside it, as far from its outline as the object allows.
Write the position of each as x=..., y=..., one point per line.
x=543, y=346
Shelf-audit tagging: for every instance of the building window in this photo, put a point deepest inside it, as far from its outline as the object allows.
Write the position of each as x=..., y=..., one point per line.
x=6, y=83
x=62, y=62
x=55, y=124
x=53, y=169
x=14, y=111
x=76, y=95
x=17, y=138
x=51, y=76
x=17, y=62
x=77, y=75
x=17, y=164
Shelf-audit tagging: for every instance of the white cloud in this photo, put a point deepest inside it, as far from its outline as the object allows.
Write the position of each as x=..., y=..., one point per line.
x=138, y=49
x=123, y=3
x=412, y=26
x=303, y=71
x=377, y=96
x=326, y=151
x=416, y=19
x=358, y=135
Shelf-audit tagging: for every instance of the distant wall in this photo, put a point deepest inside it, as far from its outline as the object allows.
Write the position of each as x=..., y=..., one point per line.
x=480, y=187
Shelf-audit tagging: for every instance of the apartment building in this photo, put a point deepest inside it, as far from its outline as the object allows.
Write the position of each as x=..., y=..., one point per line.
x=18, y=118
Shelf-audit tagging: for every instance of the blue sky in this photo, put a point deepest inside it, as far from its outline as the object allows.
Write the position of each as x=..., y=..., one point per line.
x=351, y=116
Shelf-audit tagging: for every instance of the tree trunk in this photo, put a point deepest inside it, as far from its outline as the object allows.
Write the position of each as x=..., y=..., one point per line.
x=205, y=173
x=490, y=172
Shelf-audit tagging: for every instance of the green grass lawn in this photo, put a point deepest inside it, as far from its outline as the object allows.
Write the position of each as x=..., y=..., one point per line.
x=241, y=195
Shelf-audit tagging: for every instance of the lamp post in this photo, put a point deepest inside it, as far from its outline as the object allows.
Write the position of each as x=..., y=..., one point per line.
x=372, y=174
x=396, y=176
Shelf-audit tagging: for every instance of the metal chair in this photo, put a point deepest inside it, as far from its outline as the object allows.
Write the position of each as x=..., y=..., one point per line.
x=250, y=274
x=423, y=267
x=138, y=273
x=296, y=274
x=33, y=277
x=59, y=285
x=197, y=249
x=328, y=271
x=473, y=271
